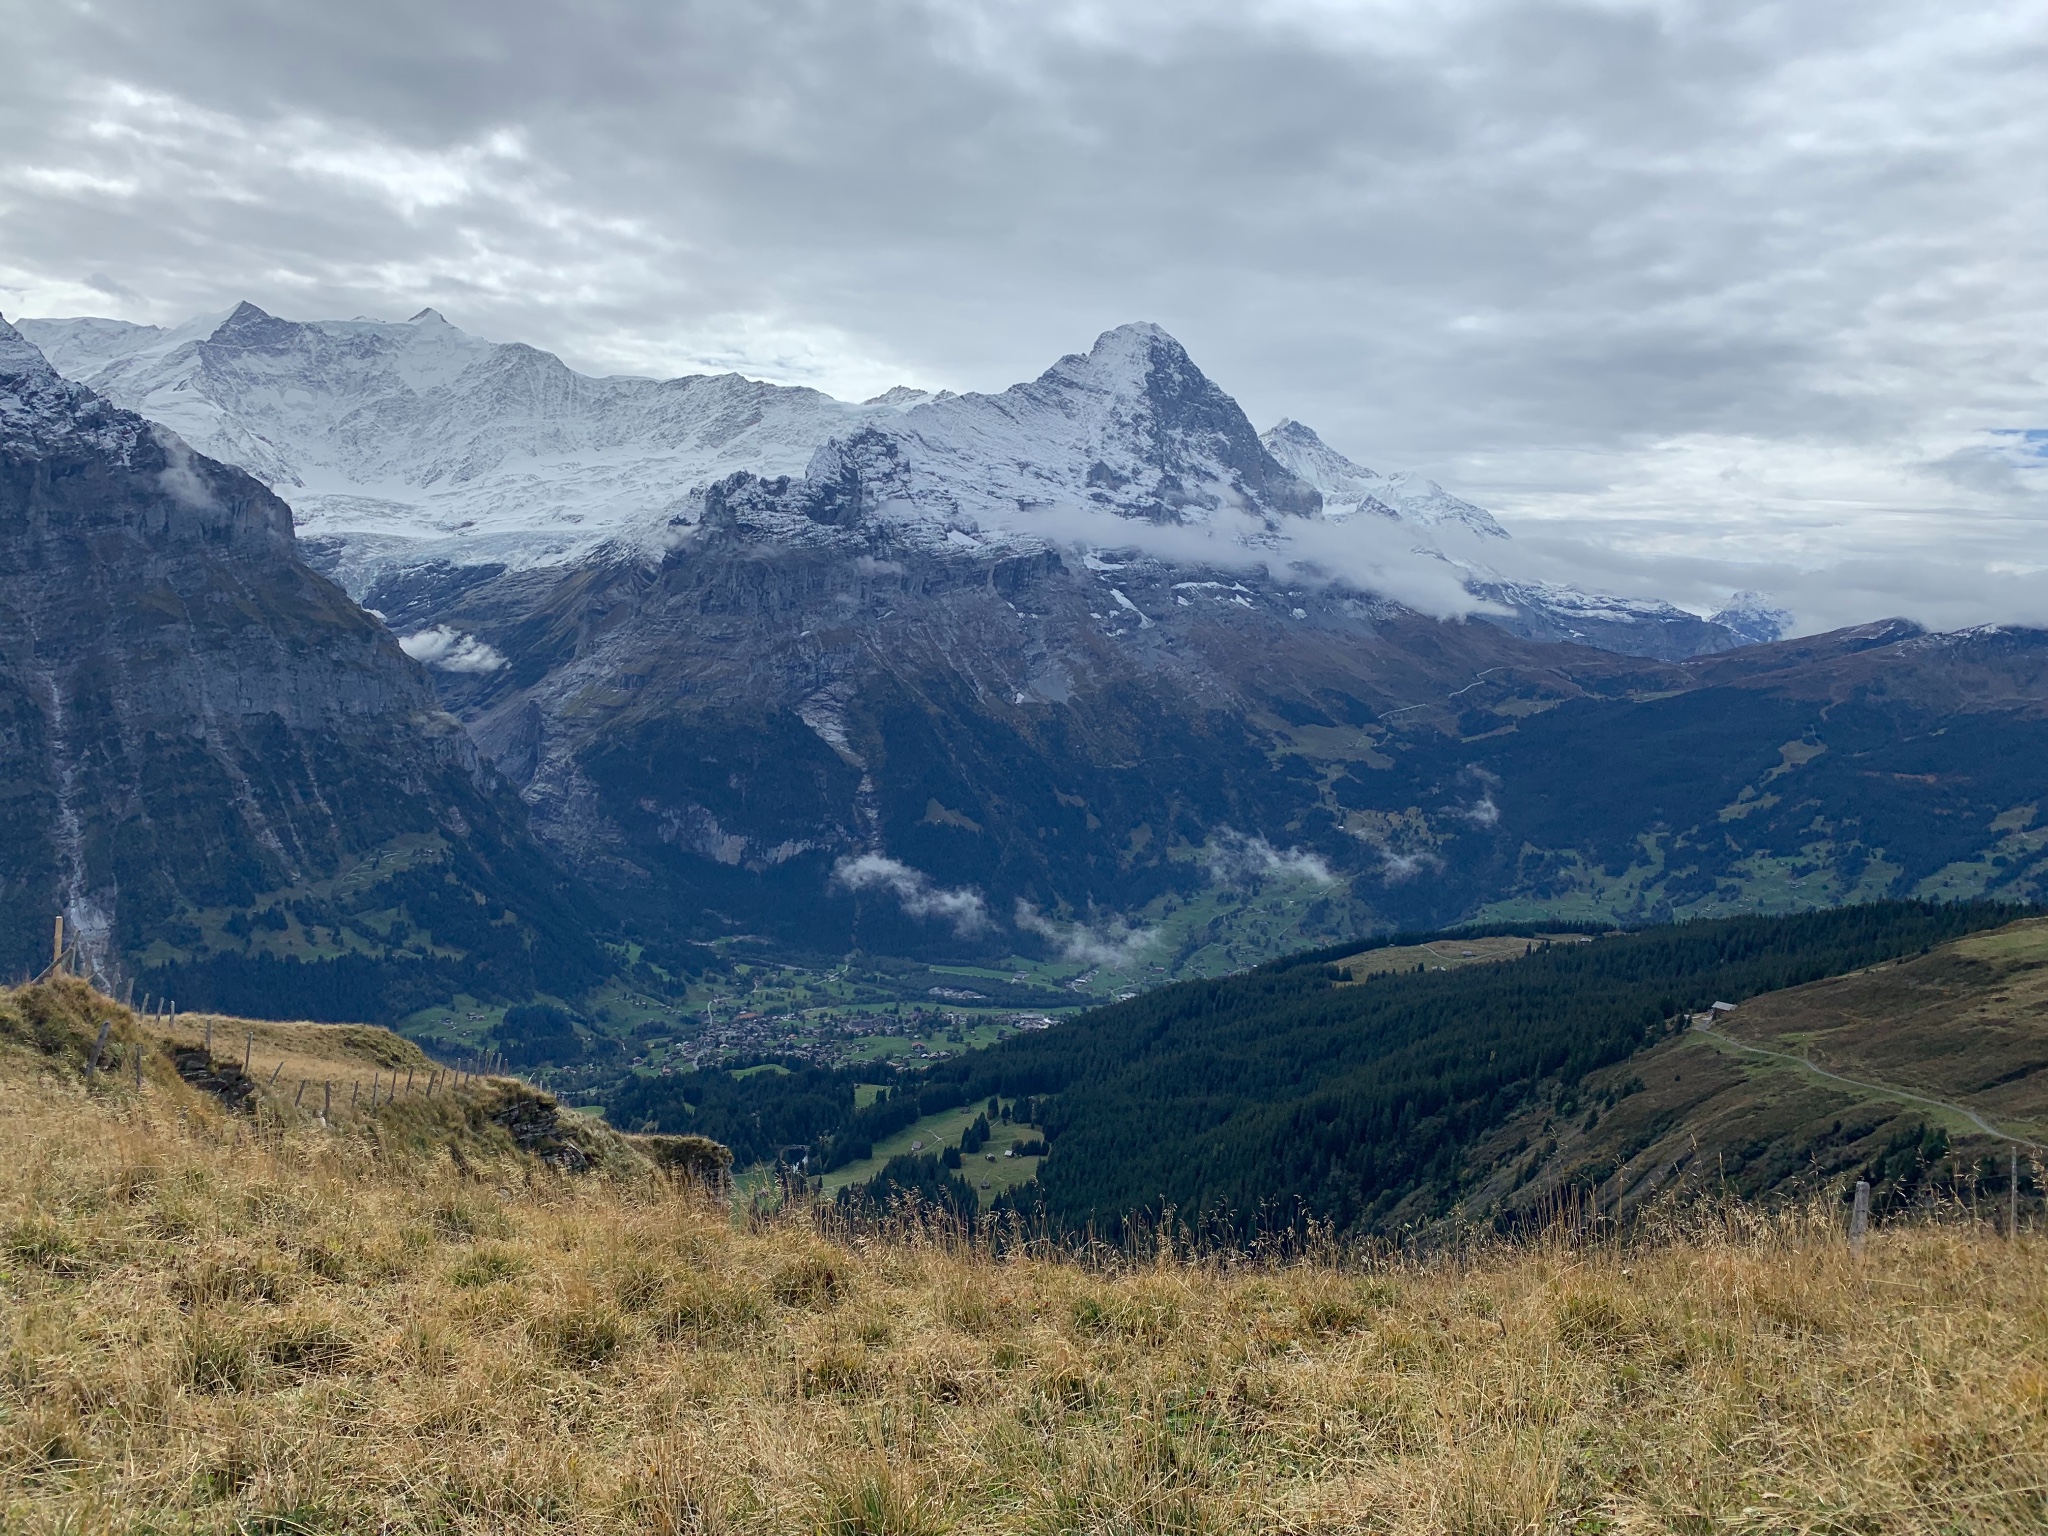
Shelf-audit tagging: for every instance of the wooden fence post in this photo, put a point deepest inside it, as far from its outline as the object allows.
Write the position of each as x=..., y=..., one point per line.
x=275, y=1070
x=353, y=1090
x=57, y=943
x=209, y=1040
x=300, y=1094
x=2012, y=1200
x=1859, y=1218
x=326, y=1100
x=138, y=1062
x=99, y=1046
x=248, y=1052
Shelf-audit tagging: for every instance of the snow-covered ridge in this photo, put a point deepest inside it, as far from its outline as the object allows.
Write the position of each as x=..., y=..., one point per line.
x=417, y=431
x=1350, y=489
x=42, y=412
x=412, y=444
x=415, y=443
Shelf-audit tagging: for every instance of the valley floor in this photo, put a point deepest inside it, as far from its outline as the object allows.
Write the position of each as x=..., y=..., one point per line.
x=215, y=1328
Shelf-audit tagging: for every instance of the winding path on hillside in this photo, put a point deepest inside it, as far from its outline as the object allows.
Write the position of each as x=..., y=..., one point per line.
x=1885, y=1088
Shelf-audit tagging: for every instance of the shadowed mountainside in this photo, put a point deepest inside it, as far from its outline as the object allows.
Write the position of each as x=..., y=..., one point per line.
x=198, y=731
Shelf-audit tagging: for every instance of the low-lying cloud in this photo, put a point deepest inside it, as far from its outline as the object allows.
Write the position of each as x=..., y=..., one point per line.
x=1235, y=859
x=179, y=479
x=915, y=890
x=1370, y=554
x=450, y=650
x=1114, y=942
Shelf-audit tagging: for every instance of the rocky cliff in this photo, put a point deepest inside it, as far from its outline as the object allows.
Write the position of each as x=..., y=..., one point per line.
x=200, y=730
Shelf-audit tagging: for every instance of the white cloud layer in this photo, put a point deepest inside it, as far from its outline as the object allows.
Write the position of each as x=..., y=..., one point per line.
x=1111, y=942
x=962, y=908
x=450, y=650
x=1235, y=859
x=1696, y=295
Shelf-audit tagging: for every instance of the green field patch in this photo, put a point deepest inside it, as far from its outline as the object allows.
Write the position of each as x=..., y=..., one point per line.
x=991, y=1166
x=1447, y=954
x=935, y=1132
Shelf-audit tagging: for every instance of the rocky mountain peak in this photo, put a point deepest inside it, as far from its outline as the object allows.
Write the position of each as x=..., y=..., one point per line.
x=21, y=360
x=248, y=326
x=42, y=412
x=1753, y=617
x=1349, y=487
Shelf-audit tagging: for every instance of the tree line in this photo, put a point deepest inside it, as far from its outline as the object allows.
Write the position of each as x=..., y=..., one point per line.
x=1289, y=1090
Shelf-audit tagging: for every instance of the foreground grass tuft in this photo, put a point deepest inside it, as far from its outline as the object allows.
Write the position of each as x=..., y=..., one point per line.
x=213, y=1327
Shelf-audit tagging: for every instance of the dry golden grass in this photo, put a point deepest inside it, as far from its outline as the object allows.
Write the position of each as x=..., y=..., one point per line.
x=215, y=1328
x=280, y=1055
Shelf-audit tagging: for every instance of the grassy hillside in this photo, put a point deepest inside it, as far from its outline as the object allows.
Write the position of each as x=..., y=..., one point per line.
x=225, y=1323
x=1294, y=1092
x=1904, y=1073
x=362, y=1084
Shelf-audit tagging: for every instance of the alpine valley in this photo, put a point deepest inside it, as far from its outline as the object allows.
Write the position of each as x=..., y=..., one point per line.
x=1080, y=685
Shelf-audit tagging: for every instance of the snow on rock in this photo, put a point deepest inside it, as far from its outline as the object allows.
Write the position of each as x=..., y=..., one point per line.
x=438, y=446
x=412, y=445
x=1753, y=617
x=42, y=412
x=1349, y=489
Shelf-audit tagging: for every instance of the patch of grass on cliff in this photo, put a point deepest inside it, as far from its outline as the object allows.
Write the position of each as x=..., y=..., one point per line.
x=215, y=1328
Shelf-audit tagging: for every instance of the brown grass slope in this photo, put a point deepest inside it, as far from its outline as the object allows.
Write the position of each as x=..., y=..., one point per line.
x=238, y=1322
x=355, y=1081
x=1926, y=1059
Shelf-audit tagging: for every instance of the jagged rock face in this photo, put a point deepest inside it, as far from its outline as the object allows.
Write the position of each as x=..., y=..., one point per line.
x=900, y=689
x=797, y=684
x=1132, y=428
x=713, y=738
x=193, y=719
x=410, y=448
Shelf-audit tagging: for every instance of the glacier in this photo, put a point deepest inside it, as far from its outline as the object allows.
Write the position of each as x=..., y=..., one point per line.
x=413, y=446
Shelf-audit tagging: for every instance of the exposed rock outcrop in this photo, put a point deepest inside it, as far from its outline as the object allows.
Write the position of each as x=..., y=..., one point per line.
x=192, y=721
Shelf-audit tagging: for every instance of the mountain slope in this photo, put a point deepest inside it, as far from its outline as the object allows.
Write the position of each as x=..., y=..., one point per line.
x=406, y=447
x=1910, y=1074
x=279, y=1332
x=1380, y=1104
x=199, y=729
x=1081, y=671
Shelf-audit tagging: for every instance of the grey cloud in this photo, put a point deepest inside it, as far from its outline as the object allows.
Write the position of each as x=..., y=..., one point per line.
x=1540, y=249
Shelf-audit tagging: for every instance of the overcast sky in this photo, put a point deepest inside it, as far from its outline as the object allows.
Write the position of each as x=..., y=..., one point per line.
x=1696, y=296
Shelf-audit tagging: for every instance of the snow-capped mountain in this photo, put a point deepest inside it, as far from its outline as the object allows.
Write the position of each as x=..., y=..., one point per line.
x=41, y=412
x=439, y=447
x=1444, y=527
x=1021, y=673
x=1349, y=489
x=480, y=452
x=408, y=447
x=1753, y=617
